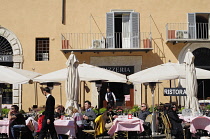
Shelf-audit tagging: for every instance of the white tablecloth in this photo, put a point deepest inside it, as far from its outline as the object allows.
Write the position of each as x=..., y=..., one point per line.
x=4, y=126
x=66, y=127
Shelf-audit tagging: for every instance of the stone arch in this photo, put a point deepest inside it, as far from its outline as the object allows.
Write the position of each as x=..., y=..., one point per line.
x=17, y=61
x=192, y=47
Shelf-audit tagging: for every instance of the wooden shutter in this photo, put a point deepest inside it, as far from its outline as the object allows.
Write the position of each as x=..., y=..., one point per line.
x=134, y=18
x=192, y=25
x=110, y=30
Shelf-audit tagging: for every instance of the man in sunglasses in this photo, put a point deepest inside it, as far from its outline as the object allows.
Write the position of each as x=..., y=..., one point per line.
x=143, y=112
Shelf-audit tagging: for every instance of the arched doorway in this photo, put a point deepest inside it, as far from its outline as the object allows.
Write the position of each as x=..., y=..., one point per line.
x=5, y=52
x=10, y=55
x=202, y=60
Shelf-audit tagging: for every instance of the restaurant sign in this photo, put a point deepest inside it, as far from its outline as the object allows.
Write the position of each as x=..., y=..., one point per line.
x=175, y=92
x=120, y=69
x=6, y=58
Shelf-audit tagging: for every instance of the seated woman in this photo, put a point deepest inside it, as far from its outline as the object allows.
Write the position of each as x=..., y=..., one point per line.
x=111, y=115
x=78, y=118
x=40, y=120
x=176, y=130
x=57, y=114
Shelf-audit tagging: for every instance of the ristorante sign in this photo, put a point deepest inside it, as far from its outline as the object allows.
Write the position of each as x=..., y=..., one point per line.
x=120, y=69
x=6, y=58
x=175, y=92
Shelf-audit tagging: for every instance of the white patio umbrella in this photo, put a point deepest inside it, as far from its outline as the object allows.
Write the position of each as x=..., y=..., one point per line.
x=86, y=73
x=16, y=76
x=72, y=82
x=168, y=71
x=191, y=83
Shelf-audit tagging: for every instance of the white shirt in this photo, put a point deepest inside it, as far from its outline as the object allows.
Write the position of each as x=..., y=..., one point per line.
x=112, y=95
x=48, y=95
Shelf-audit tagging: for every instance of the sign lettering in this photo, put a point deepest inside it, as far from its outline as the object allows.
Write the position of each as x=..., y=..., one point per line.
x=175, y=92
x=6, y=58
x=120, y=69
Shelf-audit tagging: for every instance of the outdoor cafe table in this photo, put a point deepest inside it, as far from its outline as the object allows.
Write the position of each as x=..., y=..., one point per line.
x=122, y=123
x=66, y=127
x=199, y=122
x=4, y=126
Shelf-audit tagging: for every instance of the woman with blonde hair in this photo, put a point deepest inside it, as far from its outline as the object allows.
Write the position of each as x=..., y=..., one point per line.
x=78, y=118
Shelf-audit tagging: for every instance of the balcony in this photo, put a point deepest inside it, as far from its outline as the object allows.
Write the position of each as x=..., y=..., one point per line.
x=101, y=42
x=187, y=32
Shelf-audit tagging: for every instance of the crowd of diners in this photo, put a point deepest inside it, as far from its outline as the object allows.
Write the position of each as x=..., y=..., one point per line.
x=85, y=120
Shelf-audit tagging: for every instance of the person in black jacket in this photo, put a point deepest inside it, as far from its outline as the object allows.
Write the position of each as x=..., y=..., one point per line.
x=176, y=130
x=48, y=122
x=143, y=112
x=17, y=121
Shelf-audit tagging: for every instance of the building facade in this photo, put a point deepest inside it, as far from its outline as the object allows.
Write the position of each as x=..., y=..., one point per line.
x=121, y=35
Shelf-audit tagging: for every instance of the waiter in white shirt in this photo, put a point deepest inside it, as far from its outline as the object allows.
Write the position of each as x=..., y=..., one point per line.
x=110, y=98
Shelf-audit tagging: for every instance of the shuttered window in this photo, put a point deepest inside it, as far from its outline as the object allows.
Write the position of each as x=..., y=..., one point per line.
x=110, y=30
x=134, y=30
x=192, y=25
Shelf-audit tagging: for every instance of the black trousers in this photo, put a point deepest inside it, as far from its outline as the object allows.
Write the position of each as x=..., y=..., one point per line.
x=46, y=127
x=110, y=103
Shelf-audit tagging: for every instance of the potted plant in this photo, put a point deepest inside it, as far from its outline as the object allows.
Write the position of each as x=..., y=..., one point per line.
x=102, y=110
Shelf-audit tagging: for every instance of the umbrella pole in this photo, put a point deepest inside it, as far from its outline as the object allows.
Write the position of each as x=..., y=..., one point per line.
x=83, y=92
x=35, y=93
x=203, y=94
x=61, y=94
x=170, y=96
x=158, y=95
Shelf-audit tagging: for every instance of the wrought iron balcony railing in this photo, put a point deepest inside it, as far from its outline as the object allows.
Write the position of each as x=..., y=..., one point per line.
x=188, y=31
x=102, y=41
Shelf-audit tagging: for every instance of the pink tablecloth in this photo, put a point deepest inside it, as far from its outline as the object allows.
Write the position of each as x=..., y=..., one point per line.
x=201, y=122
x=125, y=124
x=66, y=127
x=4, y=126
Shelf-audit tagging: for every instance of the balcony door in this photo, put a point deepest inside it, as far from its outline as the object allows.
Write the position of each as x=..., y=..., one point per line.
x=122, y=30
x=126, y=31
x=199, y=25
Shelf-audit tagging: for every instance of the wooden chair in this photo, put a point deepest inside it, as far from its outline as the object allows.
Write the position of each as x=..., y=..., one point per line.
x=149, y=118
x=167, y=125
x=121, y=134
x=147, y=128
x=99, y=123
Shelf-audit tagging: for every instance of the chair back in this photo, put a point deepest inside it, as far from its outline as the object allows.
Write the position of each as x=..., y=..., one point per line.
x=100, y=124
x=149, y=118
x=166, y=121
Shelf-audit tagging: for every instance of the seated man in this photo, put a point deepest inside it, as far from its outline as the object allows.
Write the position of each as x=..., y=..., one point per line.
x=143, y=112
x=88, y=116
x=17, y=121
